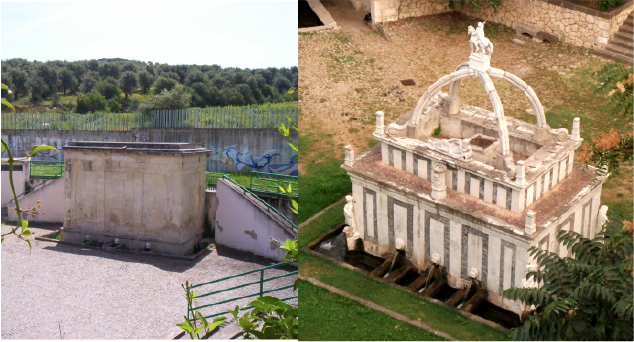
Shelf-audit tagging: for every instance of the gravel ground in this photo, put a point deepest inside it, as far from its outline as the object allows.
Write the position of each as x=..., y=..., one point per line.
x=93, y=294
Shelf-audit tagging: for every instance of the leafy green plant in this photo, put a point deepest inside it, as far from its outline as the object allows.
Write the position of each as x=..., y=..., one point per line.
x=20, y=230
x=607, y=5
x=437, y=132
x=585, y=296
x=176, y=98
x=607, y=150
x=617, y=78
x=271, y=318
x=90, y=103
x=191, y=326
x=114, y=106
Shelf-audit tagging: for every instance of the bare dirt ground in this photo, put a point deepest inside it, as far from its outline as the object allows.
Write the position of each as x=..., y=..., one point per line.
x=347, y=76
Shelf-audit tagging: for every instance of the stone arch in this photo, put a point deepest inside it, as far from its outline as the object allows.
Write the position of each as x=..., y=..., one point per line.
x=490, y=89
x=454, y=101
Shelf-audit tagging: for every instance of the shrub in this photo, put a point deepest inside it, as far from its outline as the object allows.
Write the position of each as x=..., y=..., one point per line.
x=114, y=105
x=163, y=83
x=607, y=5
x=177, y=98
x=90, y=103
x=55, y=98
x=108, y=90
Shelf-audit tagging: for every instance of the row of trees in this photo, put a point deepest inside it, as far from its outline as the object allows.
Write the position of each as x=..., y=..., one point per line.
x=209, y=85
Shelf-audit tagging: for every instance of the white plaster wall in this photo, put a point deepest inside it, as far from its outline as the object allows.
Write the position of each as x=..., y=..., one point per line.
x=51, y=196
x=242, y=225
x=19, y=180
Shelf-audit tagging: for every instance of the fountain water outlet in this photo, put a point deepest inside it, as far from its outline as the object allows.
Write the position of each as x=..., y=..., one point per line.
x=435, y=261
x=87, y=238
x=400, y=246
x=148, y=245
x=473, y=275
x=116, y=242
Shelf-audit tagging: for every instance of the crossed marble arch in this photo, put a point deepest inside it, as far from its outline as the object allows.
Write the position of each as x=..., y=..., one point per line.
x=462, y=71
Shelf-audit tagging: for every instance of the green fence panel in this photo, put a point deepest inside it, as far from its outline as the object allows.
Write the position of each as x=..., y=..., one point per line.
x=230, y=285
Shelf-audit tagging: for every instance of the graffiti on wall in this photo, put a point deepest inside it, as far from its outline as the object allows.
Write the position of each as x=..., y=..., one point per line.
x=243, y=161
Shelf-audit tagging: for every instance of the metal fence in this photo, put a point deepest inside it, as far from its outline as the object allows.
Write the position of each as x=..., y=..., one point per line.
x=257, y=181
x=271, y=182
x=46, y=169
x=225, y=117
x=225, y=293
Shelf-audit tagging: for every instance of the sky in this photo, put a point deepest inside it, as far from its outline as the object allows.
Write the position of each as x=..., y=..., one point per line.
x=230, y=34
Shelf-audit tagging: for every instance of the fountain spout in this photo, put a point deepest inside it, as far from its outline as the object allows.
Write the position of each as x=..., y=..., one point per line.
x=400, y=246
x=472, y=275
x=435, y=261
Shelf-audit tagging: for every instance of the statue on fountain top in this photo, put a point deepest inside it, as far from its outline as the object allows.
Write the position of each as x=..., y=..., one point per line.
x=480, y=58
x=482, y=44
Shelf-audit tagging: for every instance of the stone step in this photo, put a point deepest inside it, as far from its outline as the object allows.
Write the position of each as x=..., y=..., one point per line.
x=626, y=29
x=612, y=55
x=624, y=36
x=626, y=43
x=629, y=22
x=620, y=50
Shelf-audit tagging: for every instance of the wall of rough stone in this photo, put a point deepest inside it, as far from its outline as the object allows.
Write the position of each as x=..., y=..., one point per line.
x=361, y=4
x=392, y=10
x=572, y=23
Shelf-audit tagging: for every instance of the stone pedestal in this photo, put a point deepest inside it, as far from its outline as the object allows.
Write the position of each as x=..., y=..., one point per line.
x=135, y=192
x=480, y=62
x=438, y=187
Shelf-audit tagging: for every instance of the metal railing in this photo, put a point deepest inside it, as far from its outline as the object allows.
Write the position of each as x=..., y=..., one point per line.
x=219, y=117
x=251, y=284
x=257, y=181
x=271, y=182
x=46, y=169
x=212, y=179
x=269, y=208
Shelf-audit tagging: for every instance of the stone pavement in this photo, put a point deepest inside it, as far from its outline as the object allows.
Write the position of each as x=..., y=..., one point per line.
x=95, y=294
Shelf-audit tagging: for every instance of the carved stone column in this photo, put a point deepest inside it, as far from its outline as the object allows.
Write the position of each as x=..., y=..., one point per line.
x=349, y=158
x=438, y=187
x=380, y=124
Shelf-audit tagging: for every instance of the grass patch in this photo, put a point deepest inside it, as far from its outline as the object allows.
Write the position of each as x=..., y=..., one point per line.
x=323, y=184
x=321, y=224
x=413, y=307
x=350, y=320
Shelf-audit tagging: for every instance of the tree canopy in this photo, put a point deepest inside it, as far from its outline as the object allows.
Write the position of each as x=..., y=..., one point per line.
x=209, y=85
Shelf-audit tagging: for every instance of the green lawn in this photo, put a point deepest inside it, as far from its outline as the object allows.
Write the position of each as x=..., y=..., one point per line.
x=324, y=183
x=346, y=319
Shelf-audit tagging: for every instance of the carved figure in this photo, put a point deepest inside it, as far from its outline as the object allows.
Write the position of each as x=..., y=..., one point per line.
x=481, y=43
x=530, y=283
x=474, y=273
x=602, y=217
x=348, y=212
x=456, y=148
x=351, y=237
x=435, y=258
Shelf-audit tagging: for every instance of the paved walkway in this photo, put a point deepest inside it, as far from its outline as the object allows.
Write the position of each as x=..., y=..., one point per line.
x=94, y=294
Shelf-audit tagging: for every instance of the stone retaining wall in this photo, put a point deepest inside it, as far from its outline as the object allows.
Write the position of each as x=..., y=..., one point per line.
x=574, y=24
x=392, y=10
